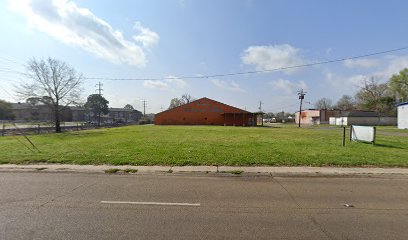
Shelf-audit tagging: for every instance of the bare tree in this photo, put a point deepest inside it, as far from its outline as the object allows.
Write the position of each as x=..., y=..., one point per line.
x=346, y=102
x=175, y=102
x=53, y=83
x=323, y=103
x=375, y=96
x=187, y=98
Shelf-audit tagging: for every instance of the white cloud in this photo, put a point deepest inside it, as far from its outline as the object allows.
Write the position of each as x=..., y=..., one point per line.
x=287, y=86
x=396, y=64
x=356, y=80
x=345, y=84
x=180, y=83
x=273, y=57
x=155, y=84
x=76, y=26
x=147, y=37
x=385, y=68
x=361, y=63
x=181, y=3
x=231, y=86
x=169, y=83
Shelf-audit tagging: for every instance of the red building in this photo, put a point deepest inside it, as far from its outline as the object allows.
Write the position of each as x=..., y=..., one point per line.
x=205, y=111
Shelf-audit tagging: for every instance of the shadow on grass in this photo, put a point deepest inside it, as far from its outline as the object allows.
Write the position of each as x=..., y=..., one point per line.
x=386, y=146
x=82, y=133
x=267, y=126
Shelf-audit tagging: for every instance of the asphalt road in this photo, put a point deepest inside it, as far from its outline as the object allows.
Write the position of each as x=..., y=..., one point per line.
x=69, y=206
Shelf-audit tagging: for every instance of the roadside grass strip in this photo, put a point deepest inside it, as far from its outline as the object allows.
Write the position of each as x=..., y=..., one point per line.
x=149, y=145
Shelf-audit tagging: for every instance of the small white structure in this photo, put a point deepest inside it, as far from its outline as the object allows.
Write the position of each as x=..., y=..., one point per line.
x=403, y=115
x=362, y=118
x=363, y=133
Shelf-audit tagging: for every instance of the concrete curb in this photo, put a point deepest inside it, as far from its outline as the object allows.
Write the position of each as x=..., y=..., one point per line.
x=274, y=171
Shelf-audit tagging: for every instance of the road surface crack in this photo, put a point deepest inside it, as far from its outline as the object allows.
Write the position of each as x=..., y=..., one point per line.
x=67, y=193
x=311, y=218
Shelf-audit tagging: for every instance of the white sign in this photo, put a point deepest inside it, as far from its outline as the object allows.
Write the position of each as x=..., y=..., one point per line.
x=363, y=133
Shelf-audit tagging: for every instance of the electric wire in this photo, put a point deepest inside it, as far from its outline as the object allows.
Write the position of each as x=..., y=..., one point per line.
x=253, y=72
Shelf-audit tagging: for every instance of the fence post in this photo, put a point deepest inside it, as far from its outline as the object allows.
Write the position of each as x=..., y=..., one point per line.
x=39, y=129
x=344, y=136
x=3, y=132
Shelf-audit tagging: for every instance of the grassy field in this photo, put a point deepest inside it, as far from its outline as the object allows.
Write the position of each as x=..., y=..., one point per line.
x=283, y=145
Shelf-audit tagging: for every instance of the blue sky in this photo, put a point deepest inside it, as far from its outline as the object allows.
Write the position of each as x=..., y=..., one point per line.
x=174, y=38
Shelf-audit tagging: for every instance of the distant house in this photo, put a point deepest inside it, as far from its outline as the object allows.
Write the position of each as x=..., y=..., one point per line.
x=80, y=114
x=123, y=115
x=25, y=112
x=205, y=111
x=344, y=118
x=403, y=115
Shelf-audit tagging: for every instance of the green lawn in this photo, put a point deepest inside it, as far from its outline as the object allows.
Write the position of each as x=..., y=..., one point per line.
x=283, y=145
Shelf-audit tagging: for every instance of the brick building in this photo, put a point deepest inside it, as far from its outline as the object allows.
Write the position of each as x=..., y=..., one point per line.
x=205, y=111
x=24, y=112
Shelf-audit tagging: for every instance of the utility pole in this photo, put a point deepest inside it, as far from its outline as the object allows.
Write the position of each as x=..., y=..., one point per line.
x=144, y=107
x=301, y=95
x=260, y=111
x=99, y=90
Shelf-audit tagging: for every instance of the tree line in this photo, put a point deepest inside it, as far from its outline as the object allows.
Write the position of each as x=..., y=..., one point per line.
x=373, y=96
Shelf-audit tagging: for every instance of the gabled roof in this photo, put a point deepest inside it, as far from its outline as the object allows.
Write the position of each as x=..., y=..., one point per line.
x=200, y=99
x=402, y=104
x=20, y=105
x=123, y=110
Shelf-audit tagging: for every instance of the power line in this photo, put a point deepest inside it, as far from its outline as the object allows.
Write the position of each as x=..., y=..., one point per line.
x=10, y=60
x=281, y=108
x=236, y=73
x=8, y=93
x=12, y=71
x=254, y=72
